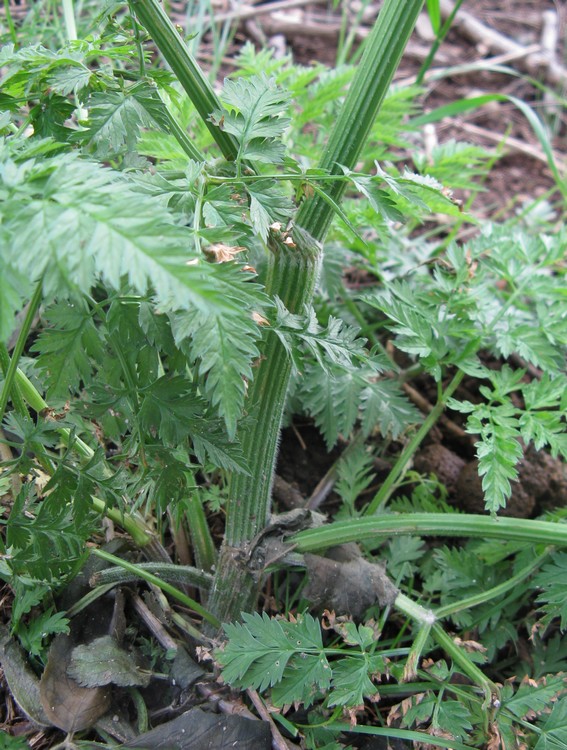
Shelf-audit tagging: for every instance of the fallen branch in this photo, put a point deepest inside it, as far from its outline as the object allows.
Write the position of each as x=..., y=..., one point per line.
x=511, y=144
x=535, y=63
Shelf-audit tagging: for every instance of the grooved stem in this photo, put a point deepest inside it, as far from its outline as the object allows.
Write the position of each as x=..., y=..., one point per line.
x=292, y=277
x=191, y=77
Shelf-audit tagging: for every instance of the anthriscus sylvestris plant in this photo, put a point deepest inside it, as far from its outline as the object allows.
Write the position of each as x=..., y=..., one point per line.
x=162, y=247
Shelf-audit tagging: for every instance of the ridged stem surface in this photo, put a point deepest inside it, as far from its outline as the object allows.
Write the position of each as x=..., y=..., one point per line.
x=293, y=276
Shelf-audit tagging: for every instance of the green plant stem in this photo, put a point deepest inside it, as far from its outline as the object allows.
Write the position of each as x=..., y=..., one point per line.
x=15, y=393
x=384, y=48
x=430, y=626
x=201, y=539
x=467, y=666
x=163, y=585
x=485, y=596
x=292, y=277
x=385, y=491
x=33, y=398
x=151, y=14
x=414, y=656
x=181, y=574
x=69, y=16
x=10, y=376
x=183, y=138
x=10, y=22
x=430, y=524
x=439, y=37
x=133, y=524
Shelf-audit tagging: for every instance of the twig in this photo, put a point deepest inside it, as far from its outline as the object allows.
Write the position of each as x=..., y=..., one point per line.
x=513, y=144
x=226, y=706
x=423, y=404
x=437, y=73
x=153, y=624
x=245, y=11
x=289, y=26
x=278, y=742
x=494, y=41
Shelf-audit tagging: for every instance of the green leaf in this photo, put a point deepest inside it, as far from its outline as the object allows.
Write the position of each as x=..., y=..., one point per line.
x=337, y=344
x=529, y=699
x=550, y=580
x=434, y=14
x=47, y=623
x=544, y=428
x=75, y=221
x=210, y=442
x=257, y=652
x=545, y=392
x=224, y=348
x=498, y=454
x=253, y=113
x=384, y=404
x=554, y=729
x=453, y=717
x=103, y=662
x=10, y=742
x=532, y=344
x=354, y=474
x=378, y=198
x=67, y=347
x=14, y=288
x=116, y=118
x=332, y=398
x=168, y=407
x=306, y=676
x=259, y=649
x=268, y=204
x=351, y=683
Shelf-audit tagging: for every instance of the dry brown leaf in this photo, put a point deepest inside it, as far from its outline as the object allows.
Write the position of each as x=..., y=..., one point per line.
x=348, y=585
x=223, y=253
x=68, y=705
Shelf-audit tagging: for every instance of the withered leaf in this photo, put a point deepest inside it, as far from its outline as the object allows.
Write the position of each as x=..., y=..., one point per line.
x=349, y=585
x=21, y=681
x=197, y=729
x=185, y=671
x=102, y=662
x=68, y=705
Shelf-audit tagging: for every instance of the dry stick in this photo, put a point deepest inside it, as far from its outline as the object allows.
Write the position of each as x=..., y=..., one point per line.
x=305, y=27
x=278, y=742
x=234, y=708
x=425, y=406
x=476, y=31
x=245, y=11
x=153, y=624
x=513, y=144
x=484, y=64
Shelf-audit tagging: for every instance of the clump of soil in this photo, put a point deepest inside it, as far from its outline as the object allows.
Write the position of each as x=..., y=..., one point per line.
x=541, y=484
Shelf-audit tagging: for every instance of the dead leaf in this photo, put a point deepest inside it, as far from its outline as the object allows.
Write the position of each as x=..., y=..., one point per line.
x=103, y=662
x=223, y=253
x=347, y=586
x=68, y=705
x=21, y=681
x=259, y=319
x=197, y=729
x=185, y=671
